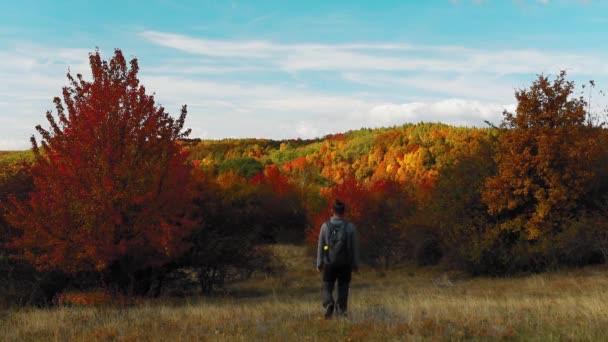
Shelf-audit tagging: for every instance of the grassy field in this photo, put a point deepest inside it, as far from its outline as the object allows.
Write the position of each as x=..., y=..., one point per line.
x=403, y=304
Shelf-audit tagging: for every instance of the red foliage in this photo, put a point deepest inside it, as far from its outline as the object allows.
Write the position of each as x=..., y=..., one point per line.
x=376, y=208
x=337, y=137
x=111, y=182
x=272, y=177
x=351, y=192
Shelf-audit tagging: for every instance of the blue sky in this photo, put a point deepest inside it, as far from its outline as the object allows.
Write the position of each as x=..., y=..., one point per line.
x=286, y=69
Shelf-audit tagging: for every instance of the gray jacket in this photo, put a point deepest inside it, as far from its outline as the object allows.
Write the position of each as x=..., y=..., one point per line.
x=352, y=243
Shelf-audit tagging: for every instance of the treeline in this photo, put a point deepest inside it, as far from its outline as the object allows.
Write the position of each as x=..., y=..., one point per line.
x=386, y=176
x=121, y=203
x=526, y=195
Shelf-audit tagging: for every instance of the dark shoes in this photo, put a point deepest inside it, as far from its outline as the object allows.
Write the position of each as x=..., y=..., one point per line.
x=329, y=311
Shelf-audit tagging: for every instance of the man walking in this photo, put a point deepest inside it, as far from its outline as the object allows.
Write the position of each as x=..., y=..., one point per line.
x=337, y=257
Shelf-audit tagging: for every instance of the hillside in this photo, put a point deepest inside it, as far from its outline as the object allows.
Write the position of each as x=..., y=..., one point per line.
x=402, y=153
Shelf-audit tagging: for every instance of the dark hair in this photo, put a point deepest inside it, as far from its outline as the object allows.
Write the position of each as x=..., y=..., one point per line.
x=339, y=207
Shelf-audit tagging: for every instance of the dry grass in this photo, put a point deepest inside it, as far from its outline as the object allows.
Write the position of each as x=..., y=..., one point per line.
x=407, y=304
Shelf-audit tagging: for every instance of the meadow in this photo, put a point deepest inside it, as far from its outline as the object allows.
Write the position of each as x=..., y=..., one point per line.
x=403, y=304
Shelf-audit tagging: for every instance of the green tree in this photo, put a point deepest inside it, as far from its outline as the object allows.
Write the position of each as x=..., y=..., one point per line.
x=244, y=167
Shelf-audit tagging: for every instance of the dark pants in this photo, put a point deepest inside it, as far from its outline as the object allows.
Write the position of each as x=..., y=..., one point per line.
x=332, y=274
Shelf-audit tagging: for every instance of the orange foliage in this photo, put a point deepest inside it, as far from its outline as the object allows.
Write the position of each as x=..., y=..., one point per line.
x=89, y=298
x=229, y=179
x=545, y=157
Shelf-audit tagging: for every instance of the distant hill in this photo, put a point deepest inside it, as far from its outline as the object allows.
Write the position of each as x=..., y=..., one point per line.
x=402, y=153
x=411, y=152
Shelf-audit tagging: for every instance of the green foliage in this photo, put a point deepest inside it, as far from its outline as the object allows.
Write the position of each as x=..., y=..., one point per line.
x=244, y=167
x=456, y=208
x=232, y=148
x=14, y=157
x=294, y=151
x=358, y=144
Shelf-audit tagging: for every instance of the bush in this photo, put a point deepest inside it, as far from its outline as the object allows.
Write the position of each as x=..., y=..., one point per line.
x=428, y=252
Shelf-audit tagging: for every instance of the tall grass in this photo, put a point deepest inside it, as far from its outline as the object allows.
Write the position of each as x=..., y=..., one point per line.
x=404, y=304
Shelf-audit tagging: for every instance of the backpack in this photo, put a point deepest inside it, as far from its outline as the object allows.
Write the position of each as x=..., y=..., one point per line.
x=338, y=253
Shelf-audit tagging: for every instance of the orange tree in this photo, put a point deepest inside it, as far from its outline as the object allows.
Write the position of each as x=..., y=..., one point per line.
x=111, y=186
x=545, y=155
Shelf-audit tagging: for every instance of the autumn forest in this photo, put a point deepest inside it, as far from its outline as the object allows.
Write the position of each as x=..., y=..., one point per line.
x=115, y=194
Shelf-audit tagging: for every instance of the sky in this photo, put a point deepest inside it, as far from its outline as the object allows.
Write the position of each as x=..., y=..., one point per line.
x=302, y=69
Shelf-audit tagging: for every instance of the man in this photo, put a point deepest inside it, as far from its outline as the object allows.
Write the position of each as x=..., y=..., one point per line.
x=337, y=257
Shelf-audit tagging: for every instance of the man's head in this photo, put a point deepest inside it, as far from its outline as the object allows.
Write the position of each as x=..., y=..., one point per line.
x=338, y=208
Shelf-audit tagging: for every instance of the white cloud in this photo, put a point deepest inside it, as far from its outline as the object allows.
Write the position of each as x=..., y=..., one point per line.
x=14, y=144
x=179, y=88
x=282, y=112
x=31, y=76
x=307, y=130
x=452, y=111
x=249, y=97
x=479, y=87
x=466, y=61
x=193, y=68
x=223, y=108
x=391, y=114
x=383, y=56
x=251, y=48
x=269, y=89
x=208, y=47
x=290, y=102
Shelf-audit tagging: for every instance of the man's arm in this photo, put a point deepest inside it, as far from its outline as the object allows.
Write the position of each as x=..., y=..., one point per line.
x=320, y=247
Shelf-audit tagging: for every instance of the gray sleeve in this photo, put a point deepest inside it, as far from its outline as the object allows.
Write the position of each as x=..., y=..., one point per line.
x=355, y=244
x=322, y=242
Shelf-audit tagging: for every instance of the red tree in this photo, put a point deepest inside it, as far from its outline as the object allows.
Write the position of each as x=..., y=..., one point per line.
x=378, y=209
x=272, y=177
x=111, y=183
